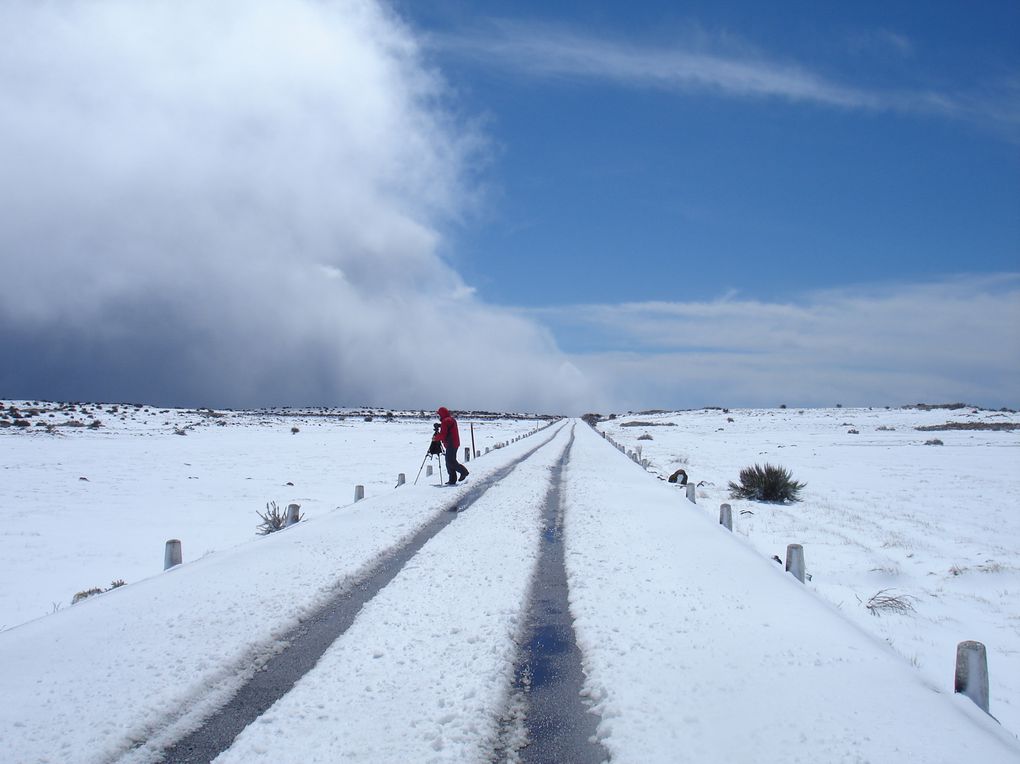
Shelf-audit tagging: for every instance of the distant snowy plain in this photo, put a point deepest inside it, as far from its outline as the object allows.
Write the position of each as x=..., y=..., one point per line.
x=934, y=524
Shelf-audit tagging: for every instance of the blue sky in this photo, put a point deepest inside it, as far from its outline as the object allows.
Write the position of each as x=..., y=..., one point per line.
x=546, y=206
x=606, y=184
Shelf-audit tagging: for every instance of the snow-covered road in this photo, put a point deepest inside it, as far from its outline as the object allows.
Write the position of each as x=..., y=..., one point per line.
x=695, y=648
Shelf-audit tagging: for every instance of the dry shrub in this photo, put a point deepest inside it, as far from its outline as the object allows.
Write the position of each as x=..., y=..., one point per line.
x=86, y=593
x=770, y=483
x=273, y=519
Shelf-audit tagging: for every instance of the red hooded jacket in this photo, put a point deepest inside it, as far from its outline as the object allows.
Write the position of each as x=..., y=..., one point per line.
x=448, y=434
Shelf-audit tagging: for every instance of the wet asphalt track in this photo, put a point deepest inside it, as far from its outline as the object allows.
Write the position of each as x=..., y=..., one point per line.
x=548, y=677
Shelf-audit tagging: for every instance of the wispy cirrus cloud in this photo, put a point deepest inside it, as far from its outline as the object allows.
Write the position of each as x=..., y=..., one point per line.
x=548, y=51
x=723, y=66
x=956, y=339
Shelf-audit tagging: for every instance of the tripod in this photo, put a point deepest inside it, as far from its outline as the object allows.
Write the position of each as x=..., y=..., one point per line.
x=435, y=449
x=428, y=456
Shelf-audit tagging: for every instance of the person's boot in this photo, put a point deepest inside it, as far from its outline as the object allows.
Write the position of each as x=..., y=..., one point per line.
x=464, y=473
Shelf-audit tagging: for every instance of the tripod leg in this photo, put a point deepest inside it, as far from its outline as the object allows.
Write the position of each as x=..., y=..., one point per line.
x=420, y=469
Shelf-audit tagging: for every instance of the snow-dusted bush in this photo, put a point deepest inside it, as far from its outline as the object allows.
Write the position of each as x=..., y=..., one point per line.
x=769, y=483
x=86, y=593
x=274, y=519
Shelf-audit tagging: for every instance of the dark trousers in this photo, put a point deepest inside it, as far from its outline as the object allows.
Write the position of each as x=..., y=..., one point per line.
x=453, y=467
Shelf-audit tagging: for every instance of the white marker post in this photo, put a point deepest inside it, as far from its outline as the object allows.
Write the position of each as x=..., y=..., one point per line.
x=293, y=515
x=972, y=672
x=691, y=493
x=359, y=492
x=172, y=554
x=726, y=516
x=795, y=561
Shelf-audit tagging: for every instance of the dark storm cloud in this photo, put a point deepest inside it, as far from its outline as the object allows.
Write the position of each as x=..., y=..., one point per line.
x=236, y=203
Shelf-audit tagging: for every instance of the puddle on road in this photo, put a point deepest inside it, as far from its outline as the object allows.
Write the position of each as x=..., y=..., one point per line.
x=546, y=704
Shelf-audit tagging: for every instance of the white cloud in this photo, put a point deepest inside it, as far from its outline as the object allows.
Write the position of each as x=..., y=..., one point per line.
x=721, y=65
x=957, y=339
x=241, y=202
x=545, y=50
x=881, y=42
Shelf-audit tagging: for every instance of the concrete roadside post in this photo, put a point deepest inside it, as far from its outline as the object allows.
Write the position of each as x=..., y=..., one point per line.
x=359, y=492
x=428, y=471
x=972, y=672
x=795, y=561
x=691, y=493
x=293, y=515
x=726, y=516
x=401, y=479
x=172, y=554
x=467, y=453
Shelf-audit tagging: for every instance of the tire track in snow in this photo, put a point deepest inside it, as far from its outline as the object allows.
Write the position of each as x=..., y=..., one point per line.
x=307, y=643
x=546, y=719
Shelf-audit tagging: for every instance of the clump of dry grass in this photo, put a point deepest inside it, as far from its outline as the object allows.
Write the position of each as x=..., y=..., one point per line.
x=883, y=601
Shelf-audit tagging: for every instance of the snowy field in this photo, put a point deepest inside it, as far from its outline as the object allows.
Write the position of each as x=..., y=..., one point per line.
x=686, y=630
x=938, y=526
x=88, y=506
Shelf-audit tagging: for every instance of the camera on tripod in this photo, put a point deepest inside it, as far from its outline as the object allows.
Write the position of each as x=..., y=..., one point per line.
x=435, y=447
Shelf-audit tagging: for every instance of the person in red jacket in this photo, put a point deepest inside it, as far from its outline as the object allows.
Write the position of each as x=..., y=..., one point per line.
x=449, y=436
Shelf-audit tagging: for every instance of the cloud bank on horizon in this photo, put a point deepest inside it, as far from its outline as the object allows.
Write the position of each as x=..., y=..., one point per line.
x=241, y=203
x=952, y=340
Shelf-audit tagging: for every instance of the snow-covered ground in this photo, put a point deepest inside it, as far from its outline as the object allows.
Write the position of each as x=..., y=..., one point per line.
x=696, y=646
x=87, y=507
x=699, y=649
x=882, y=511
